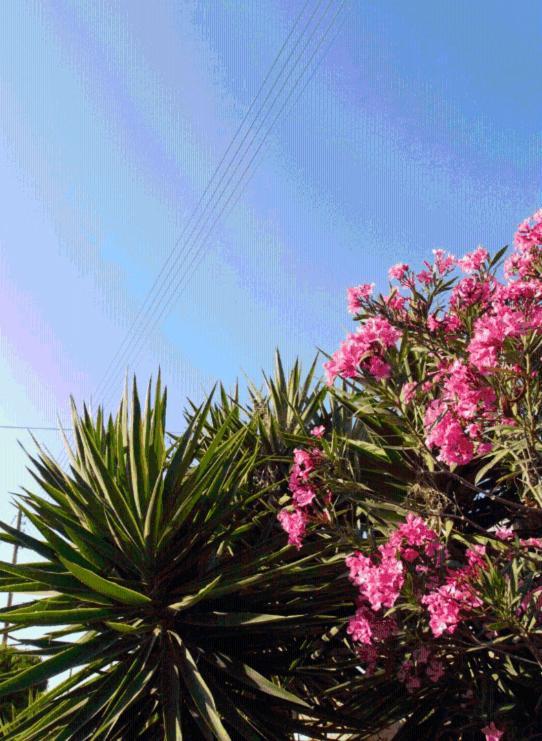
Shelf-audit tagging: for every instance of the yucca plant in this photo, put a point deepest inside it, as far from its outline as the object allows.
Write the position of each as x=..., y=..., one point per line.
x=174, y=616
x=285, y=405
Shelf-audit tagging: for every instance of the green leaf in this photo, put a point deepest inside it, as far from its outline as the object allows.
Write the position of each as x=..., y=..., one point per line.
x=171, y=696
x=492, y=463
x=374, y=451
x=200, y=692
x=238, y=619
x=193, y=599
x=65, y=660
x=108, y=588
x=254, y=679
x=80, y=615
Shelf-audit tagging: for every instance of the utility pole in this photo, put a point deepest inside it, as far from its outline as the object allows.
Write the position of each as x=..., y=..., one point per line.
x=13, y=561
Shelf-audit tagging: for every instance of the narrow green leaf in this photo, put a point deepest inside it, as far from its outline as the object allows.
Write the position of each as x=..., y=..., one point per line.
x=200, y=692
x=79, y=615
x=108, y=588
x=73, y=656
x=253, y=679
x=193, y=599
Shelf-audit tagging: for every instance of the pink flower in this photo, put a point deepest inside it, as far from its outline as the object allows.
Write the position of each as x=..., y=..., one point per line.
x=366, y=627
x=303, y=495
x=359, y=628
x=408, y=391
x=444, y=262
x=294, y=523
x=363, y=350
x=445, y=432
x=303, y=461
x=435, y=670
x=302, y=474
x=476, y=560
x=357, y=295
x=491, y=732
x=529, y=233
x=504, y=533
x=448, y=604
x=473, y=261
x=409, y=554
x=318, y=431
x=398, y=271
x=425, y=277
x=470, y=291
x=378, y=368
x=422, y=655
x=531, y=542
x=416, y=533
x=395, y=301
x=532, y=599
x=379, y=583
x=369, y=656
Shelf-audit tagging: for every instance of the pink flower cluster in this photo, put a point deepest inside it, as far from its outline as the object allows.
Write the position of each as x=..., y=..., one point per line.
x=295, y=524
x=447, y=605
x=366, y=627
x=422, y=662
x=473, y=261
x=380, y=579
x=364, y=350
x=525, y=260
x=493, y=332
x=357, y=295
x=470, y=291
x=304, y=486
x=379, y=582
x=449, y=419
x=456, y=598
x=444, y=262
x=300, y=482
x=478, y=335
x=414, y=538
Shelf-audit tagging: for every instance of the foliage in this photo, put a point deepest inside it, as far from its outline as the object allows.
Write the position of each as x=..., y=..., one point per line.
x=409, y=592
x=194, y=626
x=443, y=514
x=12, y=662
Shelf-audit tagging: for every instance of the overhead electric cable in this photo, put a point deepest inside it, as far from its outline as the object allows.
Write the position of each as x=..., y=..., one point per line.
x=33, y=427
x=165, y=267
x=149, y=322
x=203, y=232
x=180, y=284
x=116, y=363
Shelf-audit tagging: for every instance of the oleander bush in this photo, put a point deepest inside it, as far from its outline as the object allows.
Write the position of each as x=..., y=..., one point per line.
x=444, y=515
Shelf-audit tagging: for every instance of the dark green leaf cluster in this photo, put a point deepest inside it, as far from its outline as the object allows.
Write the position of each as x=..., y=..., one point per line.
x=173, y=602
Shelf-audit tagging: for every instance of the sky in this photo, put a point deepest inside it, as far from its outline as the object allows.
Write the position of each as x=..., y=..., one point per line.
x=411, y=126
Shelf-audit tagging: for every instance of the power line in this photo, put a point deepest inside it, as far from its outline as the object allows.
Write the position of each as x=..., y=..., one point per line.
x=161, y=302
x=33, y=427
x=112, y=367
x=104, y=387
x=180, y=285
x=171, y=285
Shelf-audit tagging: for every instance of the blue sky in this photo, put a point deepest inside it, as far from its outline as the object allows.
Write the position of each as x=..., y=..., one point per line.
x=421, y=128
